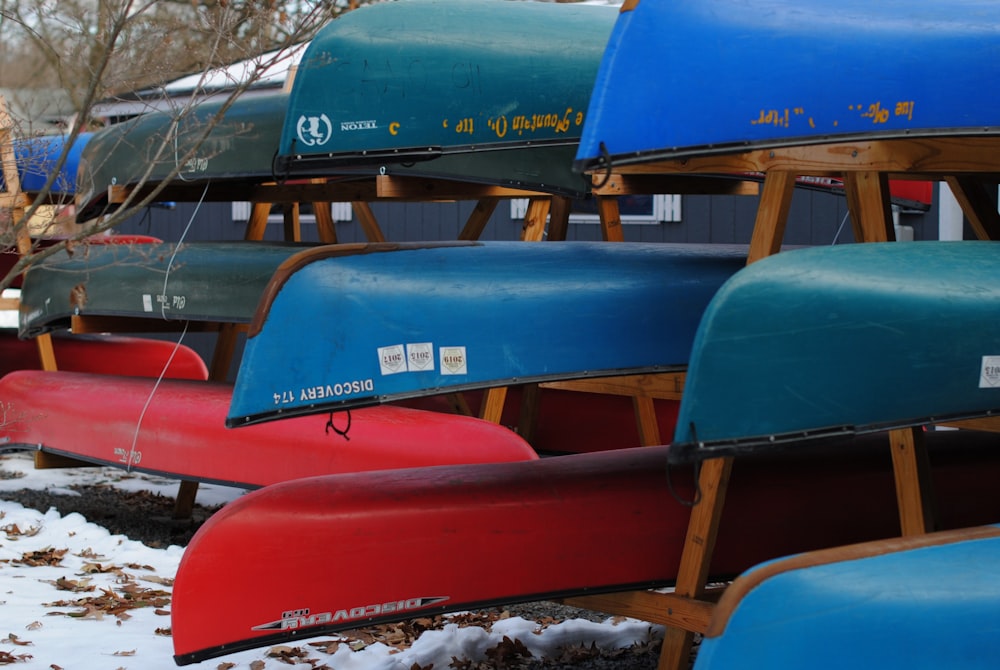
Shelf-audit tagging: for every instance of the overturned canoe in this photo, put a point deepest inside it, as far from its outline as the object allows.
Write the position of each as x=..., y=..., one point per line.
x=198, y=281
x=143, y=152
x=865, y=605
x=371, y=547
x=176, y=429
x=488, y=92
x=783, y=73
x=350, y=325
x=105, y=354
x=847, y=339
x=37, y=159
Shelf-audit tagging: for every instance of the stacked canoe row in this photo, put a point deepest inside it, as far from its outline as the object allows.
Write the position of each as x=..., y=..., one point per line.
x=797, y=365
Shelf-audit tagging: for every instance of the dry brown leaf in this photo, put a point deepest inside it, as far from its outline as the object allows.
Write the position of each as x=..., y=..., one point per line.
x=7, y=658
x=42, y=557
x=34, y=625
x=257, y=665
x=13, y=639
x=164, y=632
x=131, y=652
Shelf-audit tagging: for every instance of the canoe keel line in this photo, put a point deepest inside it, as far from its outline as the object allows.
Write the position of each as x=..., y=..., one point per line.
x=561, y=526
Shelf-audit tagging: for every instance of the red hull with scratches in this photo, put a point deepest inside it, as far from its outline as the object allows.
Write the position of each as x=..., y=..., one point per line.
x=342, y=551
x=105, y=419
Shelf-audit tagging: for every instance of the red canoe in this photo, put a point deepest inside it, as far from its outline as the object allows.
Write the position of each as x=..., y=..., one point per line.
x=346, y=550
x=105, y=419
x=105, y=354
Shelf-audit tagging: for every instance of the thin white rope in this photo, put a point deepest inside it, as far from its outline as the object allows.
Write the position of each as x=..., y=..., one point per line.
x=180, y=340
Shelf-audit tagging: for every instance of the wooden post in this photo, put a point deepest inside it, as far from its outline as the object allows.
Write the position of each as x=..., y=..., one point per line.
x=369, y=224
x=534, y=219
x=478, y=219
x=325, y=228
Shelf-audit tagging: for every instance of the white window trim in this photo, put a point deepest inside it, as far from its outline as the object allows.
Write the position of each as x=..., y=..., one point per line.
x=666, y=209
x=341, y=211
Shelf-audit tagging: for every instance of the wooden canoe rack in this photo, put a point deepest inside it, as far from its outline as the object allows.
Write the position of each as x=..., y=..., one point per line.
x=967, y=164
x=547, y=217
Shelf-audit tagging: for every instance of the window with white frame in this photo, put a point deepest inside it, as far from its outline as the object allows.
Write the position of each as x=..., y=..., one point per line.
x=637, y=209
x=341, y=211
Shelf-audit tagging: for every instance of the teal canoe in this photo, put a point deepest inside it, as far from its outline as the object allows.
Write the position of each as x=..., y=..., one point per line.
x=846, y=339
x=486, y=91
x=198, y=281
x=926, y=601
x=141, y=153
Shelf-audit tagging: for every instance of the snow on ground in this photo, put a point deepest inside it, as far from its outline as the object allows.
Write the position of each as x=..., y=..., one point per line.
x=67, y=586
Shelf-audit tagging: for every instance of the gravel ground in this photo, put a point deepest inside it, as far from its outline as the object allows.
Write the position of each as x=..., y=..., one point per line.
x=148, y=518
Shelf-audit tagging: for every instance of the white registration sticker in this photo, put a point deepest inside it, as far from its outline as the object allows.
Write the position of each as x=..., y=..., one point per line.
x=392, y=360
x=989, y=374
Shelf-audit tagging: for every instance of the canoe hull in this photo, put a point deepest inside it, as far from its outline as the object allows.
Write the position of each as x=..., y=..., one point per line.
x=199, y=281
x=180, y=432
x=895, y=69
x=37, y=158
x=347, y=550
x=238, y=149
x=106, y=354
x=406, y=87
x=866, y=606
x=845, y=339
x=385, y=322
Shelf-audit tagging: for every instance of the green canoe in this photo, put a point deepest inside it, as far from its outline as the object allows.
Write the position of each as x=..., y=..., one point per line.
x=200, y=281
x=238, y=150
x=484, y=91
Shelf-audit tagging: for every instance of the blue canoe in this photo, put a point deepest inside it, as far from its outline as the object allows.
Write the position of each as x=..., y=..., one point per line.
x=847, y=339
x=920, y=602
x=485, y=91
x=37, y=158
x=685, y=77
x=354, y=325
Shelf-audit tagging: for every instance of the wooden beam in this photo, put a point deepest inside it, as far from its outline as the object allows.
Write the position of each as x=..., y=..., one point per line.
x=480, y=216
x=979, y=206
x=914, y=489
x=666, y=385
x=699, y=543
x=535, y=218
x=257, y=223
x=325, y=228
x=930, y=157
x=369, y=224
x=559, y=218
x=653, y=606
x=396, y=187
x=611, y=220
x=644, y=184
x=869, y=202
x=291, y=222
x=772, y=215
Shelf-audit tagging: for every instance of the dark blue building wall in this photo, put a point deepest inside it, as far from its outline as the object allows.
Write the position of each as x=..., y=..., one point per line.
x=815, y=218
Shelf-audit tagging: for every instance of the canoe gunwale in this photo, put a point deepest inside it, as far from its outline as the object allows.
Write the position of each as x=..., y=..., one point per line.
x=695, y=451
x=750, y=580
x=608, y=162
x=298, y=261
x=370, y=401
